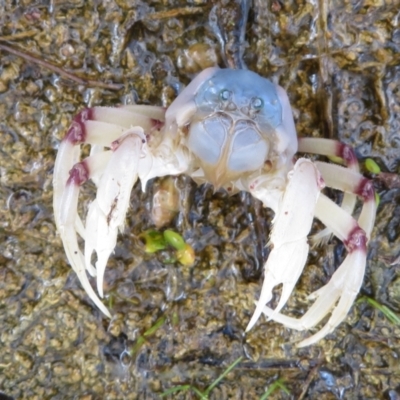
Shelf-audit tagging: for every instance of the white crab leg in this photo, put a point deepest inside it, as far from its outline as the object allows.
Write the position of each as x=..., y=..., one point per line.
x=91, y=167
x=153, y=112
x=329, y=148
x=127, y=116
x=107, y=212
x=66, y=220
x=347, y=280
x=118, y=172
x=98, y=126
x=332, y=148
x=289, y=235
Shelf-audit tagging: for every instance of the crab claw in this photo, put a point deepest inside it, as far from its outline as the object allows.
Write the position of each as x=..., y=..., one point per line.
x=338, y=295
x=107, y=212
x=68, y=215
x=116, y=172
x=343, y=286
x=289, y=235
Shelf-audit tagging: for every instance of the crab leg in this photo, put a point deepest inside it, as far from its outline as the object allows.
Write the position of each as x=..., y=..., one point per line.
x=118, y=171
x=332, y=148
x=329, y=148
x=98, y=126
x=289, y=235
x=107, y=212
x=79, y=174
x=347, y=280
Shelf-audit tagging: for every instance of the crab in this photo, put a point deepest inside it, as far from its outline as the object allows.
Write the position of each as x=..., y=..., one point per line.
x=235, y=130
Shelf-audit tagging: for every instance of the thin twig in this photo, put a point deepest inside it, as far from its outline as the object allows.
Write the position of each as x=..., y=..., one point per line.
x=311, y=377
x=52, y=67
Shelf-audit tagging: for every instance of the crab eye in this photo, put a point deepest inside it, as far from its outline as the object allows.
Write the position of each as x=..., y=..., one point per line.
x=257, y=103
x=225, y=94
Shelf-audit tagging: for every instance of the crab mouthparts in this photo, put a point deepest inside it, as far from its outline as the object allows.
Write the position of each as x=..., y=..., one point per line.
x=226, y=149
x=219, y=175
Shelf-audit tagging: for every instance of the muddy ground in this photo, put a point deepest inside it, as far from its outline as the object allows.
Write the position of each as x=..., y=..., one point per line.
x=340, y=63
